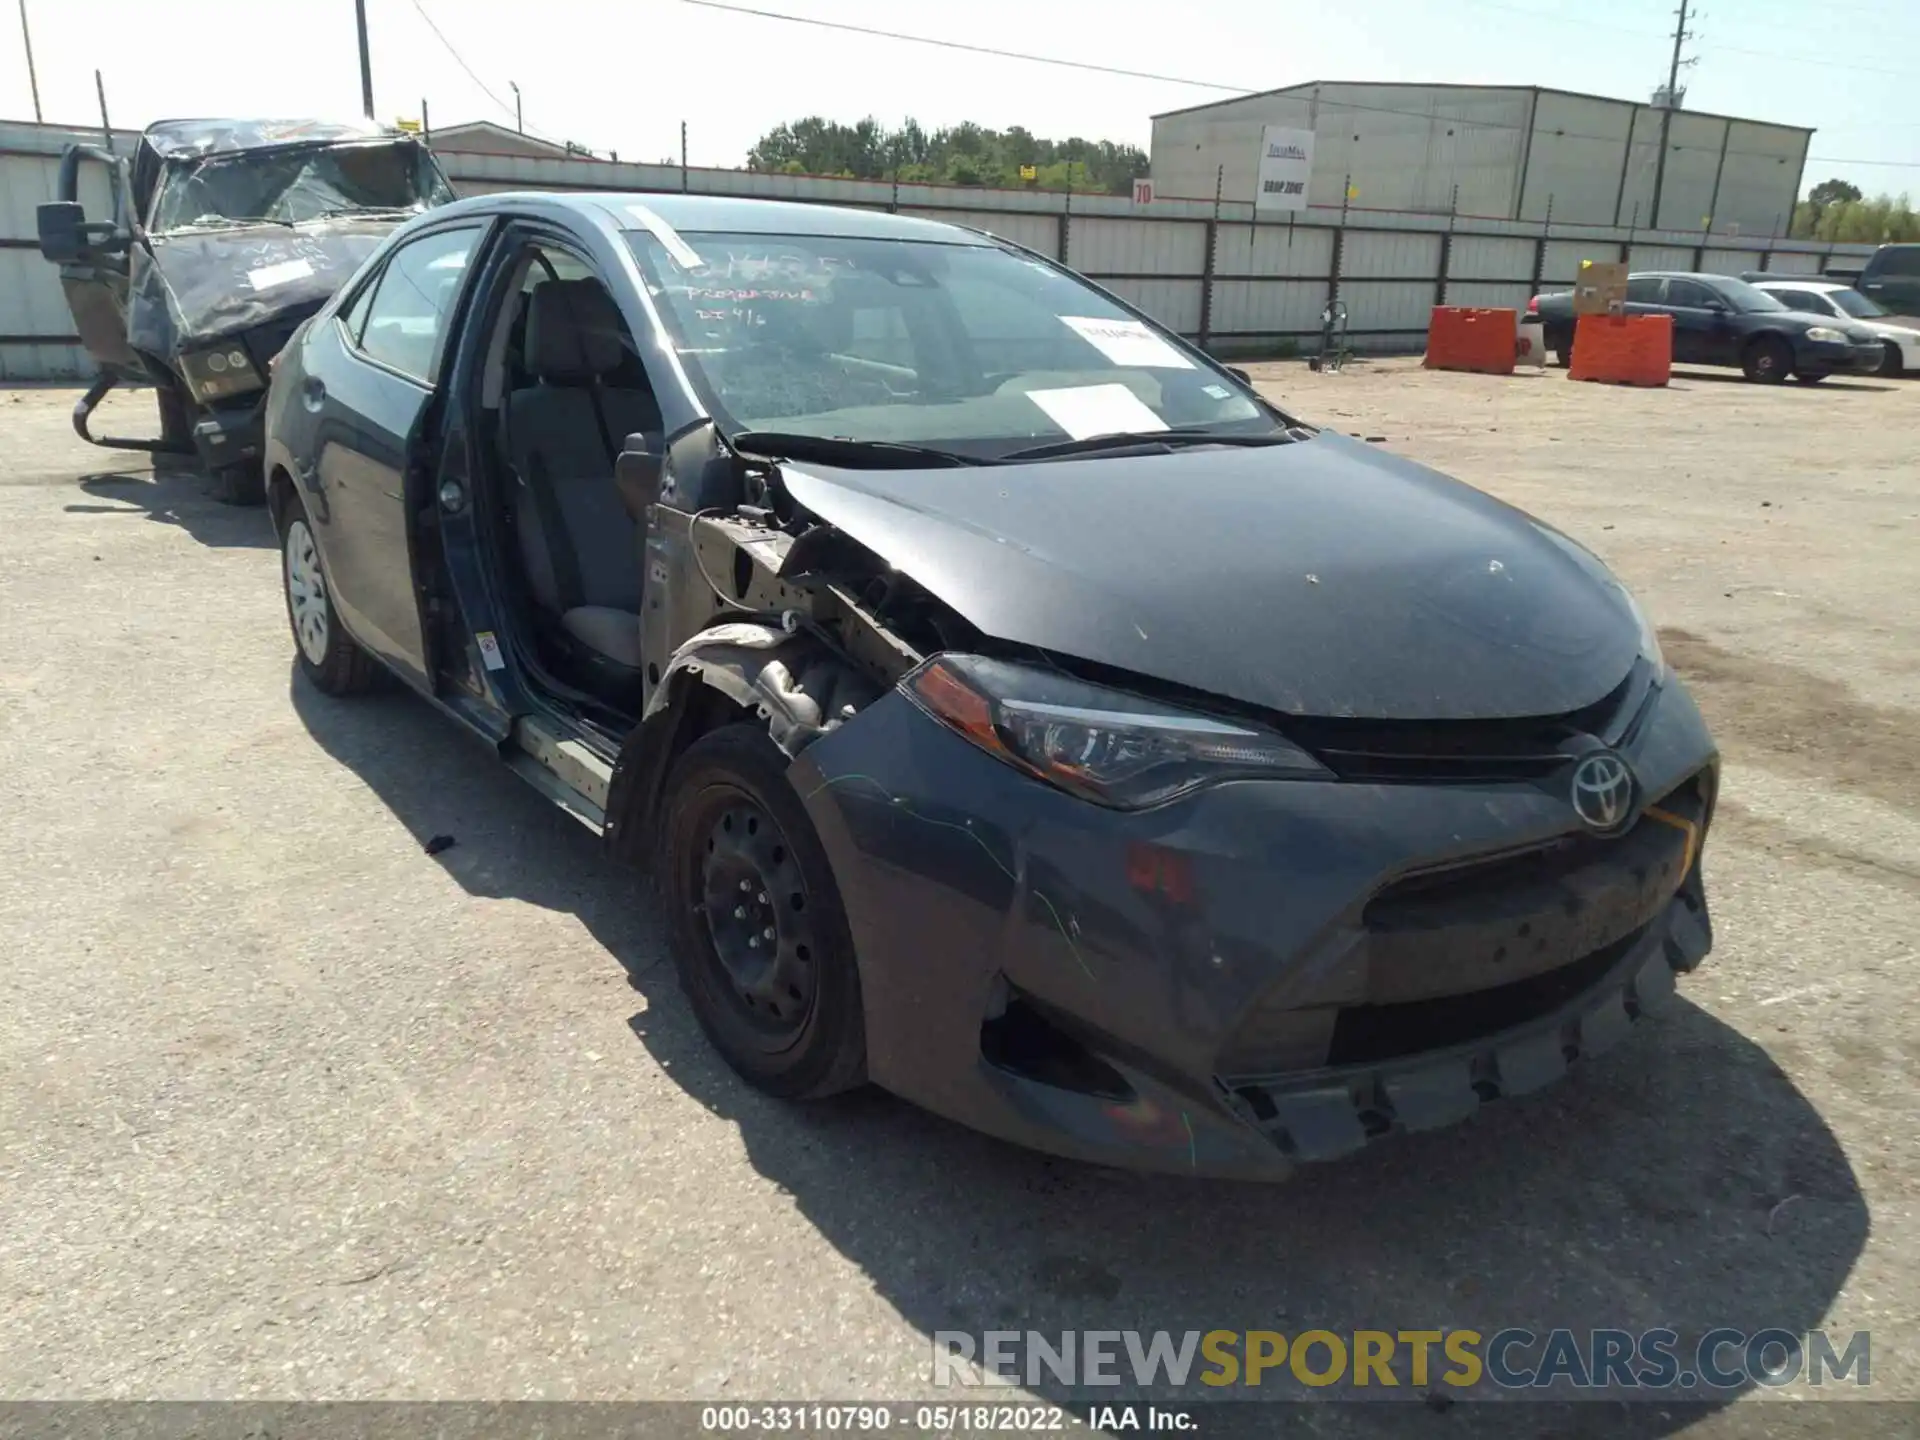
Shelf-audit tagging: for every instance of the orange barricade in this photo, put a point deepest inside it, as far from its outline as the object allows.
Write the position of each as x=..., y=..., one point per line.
x=1623, y=349
x=1460, y=338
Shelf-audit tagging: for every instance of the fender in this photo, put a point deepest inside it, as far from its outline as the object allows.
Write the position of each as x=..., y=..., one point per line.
x=788, y=680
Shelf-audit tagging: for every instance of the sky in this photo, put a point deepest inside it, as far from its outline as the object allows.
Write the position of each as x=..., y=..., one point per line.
x=622, y=75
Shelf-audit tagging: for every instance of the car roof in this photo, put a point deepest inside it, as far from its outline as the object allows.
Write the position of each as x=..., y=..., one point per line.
x=694, y=214
x=1801, y=282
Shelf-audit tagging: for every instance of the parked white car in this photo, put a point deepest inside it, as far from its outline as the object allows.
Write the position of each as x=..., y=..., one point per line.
x=1825, y=297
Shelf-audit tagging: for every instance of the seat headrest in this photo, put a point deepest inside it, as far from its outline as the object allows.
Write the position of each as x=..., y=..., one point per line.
x=573, y=331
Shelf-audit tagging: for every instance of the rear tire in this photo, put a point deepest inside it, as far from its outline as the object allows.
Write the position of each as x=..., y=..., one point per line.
x=1768, y=360
x=738, y=859
x=1811, y=377
x=1561, y=343
x=328, y=656
x=1892, y=364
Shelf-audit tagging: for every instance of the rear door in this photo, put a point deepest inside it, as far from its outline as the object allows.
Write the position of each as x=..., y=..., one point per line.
x=1807, y=302
x=371, y=379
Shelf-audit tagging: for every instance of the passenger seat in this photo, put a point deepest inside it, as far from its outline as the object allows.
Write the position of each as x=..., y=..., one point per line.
x=580, y=548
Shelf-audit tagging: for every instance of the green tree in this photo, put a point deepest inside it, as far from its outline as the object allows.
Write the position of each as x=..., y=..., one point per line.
x=965, y=154
x=1827, y=192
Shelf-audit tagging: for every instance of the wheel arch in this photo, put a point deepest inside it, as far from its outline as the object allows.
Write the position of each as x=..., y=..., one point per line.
x=738, y=672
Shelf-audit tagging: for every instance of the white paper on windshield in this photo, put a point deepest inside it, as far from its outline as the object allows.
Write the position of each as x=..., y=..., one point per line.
x=268, y=276
x=1127, y=342
x=1096, y=410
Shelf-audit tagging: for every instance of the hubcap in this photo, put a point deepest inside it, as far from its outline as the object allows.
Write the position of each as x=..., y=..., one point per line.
x=758, y=916
x=306, y=593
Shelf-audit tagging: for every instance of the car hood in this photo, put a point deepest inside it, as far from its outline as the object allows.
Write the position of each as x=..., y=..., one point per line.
x=189, y=287
x=1322, y=578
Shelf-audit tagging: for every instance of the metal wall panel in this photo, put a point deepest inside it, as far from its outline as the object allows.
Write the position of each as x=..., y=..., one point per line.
x=1387, y=305
x=1760, y=179
x=1401, y=256
x=1134, y=247
x=1563, y=258
x=1273, y=250
x=1729, y=262
x=1174, y=303
x=1661, y=257
x=1485, y=257
x=1268, y=306
x=1788, y=262
x=1508, y=295
x=1573, y=166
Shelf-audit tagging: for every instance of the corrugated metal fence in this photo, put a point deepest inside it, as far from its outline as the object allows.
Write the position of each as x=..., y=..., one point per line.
x=1238, y=286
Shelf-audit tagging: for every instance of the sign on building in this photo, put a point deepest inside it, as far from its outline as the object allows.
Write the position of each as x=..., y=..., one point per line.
x=1286, y=165
x=1143, y=191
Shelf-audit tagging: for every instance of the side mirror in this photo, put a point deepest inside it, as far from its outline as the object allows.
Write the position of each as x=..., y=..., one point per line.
x=636, y=474
x=1239, y=374
x=66, y=235
x=63, y=230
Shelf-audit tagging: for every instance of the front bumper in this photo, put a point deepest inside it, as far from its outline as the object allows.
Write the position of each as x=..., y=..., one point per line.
x=1256, y=974
x=1822, y=358
x=233, y=433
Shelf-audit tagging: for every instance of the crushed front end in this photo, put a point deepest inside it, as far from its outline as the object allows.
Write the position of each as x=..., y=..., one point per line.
x=1261, y=972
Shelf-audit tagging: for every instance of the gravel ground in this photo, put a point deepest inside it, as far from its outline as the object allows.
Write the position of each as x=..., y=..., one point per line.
x=294, y=1110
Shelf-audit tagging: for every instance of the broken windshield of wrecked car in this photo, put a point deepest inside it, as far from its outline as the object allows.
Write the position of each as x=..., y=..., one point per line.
x=287, y=185
x=974, y=350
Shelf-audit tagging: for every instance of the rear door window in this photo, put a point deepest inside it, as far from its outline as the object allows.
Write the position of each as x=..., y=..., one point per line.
x=1807, y=300
x=407, y=316
x=1897, y=260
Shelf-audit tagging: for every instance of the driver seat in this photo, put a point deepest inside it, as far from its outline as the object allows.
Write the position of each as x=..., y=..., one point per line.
x=579, y=547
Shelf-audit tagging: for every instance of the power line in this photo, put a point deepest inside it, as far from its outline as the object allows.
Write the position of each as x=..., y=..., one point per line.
x=458, y=59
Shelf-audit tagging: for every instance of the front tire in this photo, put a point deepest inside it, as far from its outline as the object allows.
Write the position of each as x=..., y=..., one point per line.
x=328, y=656
x=240, y=485
x=759, y=935
x=1893, y=364
x=1768, y=360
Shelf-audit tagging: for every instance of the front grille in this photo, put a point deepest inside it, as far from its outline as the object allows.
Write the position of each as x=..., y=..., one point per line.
x=1369, y=1034
x=1467, y=751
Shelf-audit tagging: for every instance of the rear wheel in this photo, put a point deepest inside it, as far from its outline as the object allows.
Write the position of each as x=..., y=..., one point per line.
x=328, y=656
x=759, y=936
x=1892, y=363
x=1767, y=360
x=1561, y=343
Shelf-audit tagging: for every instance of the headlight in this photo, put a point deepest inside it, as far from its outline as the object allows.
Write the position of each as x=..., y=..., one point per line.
x=216, y=374
x=1826, y=335
x=1103, y=745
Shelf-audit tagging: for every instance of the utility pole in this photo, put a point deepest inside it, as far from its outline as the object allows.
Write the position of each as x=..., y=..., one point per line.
x=1680, y=36
x=519, y=123
x=33, y=79
x=366, y=59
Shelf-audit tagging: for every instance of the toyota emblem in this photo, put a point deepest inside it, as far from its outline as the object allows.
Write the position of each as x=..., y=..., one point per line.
x=1602, y=790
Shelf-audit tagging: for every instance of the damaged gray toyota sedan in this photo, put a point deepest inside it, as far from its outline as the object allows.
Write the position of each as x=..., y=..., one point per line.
x=1015, y=710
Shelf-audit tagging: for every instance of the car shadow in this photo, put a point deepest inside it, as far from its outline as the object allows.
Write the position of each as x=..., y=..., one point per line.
x=175, y=494
x=1734, y=377
x=1679, y=1181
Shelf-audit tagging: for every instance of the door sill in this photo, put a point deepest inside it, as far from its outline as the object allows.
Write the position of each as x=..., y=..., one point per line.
x=562, y=768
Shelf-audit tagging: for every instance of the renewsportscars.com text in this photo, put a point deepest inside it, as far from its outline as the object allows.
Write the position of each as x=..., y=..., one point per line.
x=1511, y=1359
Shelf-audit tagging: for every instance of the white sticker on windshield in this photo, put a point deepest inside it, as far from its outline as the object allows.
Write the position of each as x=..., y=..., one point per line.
x=1096, y=410
x=1127, y=342
x=268, y=276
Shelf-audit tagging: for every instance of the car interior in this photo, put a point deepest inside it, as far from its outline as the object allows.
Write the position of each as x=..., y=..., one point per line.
x=566, y=385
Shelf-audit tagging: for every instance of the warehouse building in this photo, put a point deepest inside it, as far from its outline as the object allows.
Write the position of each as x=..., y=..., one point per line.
x=1502, y=152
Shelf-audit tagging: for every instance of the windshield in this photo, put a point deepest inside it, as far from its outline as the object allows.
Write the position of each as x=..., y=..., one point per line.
x=299, y=184
x=1748, y=299
x=1856, y=304
x=968, y=348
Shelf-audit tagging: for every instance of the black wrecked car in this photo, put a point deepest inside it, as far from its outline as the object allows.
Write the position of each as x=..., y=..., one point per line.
x=1721, y=320
x=215, y=242
x=1014, y=708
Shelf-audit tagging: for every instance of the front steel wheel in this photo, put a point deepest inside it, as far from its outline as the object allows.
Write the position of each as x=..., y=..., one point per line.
x=328, y=656
x=759, y=935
